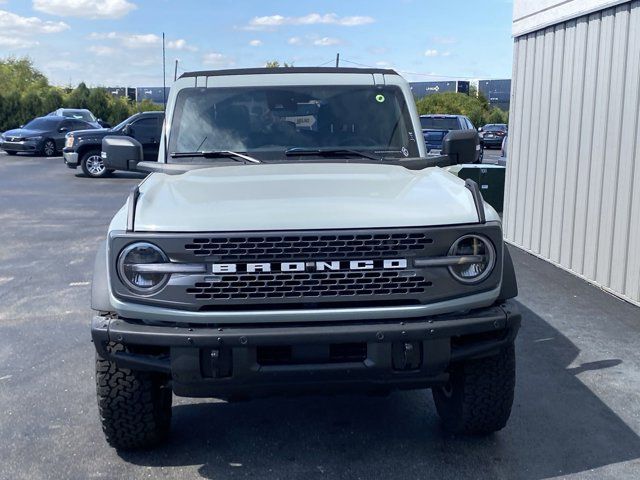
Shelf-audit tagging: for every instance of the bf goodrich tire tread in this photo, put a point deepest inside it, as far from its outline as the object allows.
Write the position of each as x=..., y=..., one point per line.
x=481, y=395
x=134, y=406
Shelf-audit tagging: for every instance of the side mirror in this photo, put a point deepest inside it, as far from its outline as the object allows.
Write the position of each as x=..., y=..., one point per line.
x=63, y=129
x=121, y=153
x=462, y=146
x=21, y=126
x=479, y=129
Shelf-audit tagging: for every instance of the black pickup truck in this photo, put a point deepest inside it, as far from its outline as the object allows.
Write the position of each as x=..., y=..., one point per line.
x=82, y=148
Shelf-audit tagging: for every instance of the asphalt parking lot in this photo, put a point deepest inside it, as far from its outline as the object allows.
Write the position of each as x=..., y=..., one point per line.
x=576, y=413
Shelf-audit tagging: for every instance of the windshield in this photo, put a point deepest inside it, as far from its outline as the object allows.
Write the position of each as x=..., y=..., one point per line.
x=495, y=128
x=264, y=122
x=42, y=124
x=439, y=123
x=85, y=115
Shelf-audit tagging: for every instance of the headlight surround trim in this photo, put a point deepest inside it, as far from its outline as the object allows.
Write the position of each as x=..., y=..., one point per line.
x=122, y=273
x=490, y=252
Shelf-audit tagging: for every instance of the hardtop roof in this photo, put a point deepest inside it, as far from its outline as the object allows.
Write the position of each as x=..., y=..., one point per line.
x=281, y=70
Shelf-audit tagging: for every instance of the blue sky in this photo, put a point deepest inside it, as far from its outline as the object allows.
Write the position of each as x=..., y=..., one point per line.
x=117, y=42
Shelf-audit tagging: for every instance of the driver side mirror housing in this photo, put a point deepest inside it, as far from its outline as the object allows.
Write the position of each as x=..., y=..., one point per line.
x=461, y=146
x=121, y=153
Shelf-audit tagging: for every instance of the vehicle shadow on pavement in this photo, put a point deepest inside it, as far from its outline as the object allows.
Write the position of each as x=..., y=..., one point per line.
x=558, y=427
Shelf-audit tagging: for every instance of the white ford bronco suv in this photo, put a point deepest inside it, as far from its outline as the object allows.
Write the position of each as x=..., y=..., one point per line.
x=293, y=237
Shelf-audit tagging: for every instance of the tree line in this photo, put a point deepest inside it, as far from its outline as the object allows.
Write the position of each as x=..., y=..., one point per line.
x=25, y=93
x=475, y=106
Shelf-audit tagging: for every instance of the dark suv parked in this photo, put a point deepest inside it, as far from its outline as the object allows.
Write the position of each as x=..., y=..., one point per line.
x=42, y=135
x=436, y=127
x=83, y=148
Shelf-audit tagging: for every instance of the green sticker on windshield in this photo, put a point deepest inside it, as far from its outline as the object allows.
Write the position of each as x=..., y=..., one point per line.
x=379, y=98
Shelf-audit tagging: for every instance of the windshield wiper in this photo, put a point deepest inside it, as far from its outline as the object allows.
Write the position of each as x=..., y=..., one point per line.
x=327, y=152
x=217, y=154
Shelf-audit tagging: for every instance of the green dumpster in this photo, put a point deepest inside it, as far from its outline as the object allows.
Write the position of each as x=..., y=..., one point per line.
x=490, y=179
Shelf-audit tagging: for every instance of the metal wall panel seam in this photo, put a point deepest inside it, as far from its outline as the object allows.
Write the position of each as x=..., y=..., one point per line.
x=567, y=82
x=524, y=138
x=586, y=142
x=552, y=146
x=598, y=149
x=514, y=114
x=624, y=187
x=534, y=135
x=574, y=139
x=612, y=161
x=543, y=138
x=632, y=275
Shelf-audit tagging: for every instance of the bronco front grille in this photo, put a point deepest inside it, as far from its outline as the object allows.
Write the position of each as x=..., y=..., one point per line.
x=310, y=285
x=309, y=247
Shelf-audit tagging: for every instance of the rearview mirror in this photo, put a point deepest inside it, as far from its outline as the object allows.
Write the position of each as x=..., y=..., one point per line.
x=461, y=146
x=121, y=153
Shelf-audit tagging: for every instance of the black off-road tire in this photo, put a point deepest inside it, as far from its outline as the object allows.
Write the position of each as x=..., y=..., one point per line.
x=134, y=406
x=479, y=396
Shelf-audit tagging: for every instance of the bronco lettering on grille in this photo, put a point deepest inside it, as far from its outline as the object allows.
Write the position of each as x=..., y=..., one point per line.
x=332, y=265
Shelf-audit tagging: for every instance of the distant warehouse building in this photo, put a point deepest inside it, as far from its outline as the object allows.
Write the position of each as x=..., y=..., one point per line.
x=497, y=92
x=422, y=89
x=573, y=181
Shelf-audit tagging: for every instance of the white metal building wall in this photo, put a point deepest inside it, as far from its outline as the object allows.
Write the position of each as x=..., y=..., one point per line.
x=573, y=176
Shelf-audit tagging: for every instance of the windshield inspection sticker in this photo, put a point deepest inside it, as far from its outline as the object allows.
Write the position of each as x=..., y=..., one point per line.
x=380, y=98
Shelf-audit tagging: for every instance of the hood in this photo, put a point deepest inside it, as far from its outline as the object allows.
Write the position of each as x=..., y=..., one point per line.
x=94, y=132
x=302, y=196
x=22, y=132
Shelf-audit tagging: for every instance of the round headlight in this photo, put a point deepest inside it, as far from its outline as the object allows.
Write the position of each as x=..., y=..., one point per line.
x=477, y=258
x=141, y=280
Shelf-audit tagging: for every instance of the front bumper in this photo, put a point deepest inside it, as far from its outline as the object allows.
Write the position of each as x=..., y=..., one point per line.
x=23, y=146
x=70, y=158
x=263, y=360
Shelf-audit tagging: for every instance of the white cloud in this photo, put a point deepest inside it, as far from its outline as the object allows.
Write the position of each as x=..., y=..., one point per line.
x=102, y=50
x=446, y=54
x=431, y=53
x=142, y=40
x=217, y=60
x=93, y=9
x=255, y=43
x=180, y=44
x=17, y=42
x=12, y=24
x=294, y=41
x=326, y=41
x=274, y=21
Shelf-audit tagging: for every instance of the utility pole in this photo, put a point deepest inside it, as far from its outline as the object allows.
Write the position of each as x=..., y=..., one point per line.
x=175, y=72
x=337, y=60
x=164, y=76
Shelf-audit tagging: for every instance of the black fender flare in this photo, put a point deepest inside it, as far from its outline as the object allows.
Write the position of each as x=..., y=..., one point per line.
x=100, y=285
x=509, y=287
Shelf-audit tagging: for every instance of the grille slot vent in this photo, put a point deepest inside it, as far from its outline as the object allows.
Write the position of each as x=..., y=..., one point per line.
x=309, y=285
x=309, y=247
